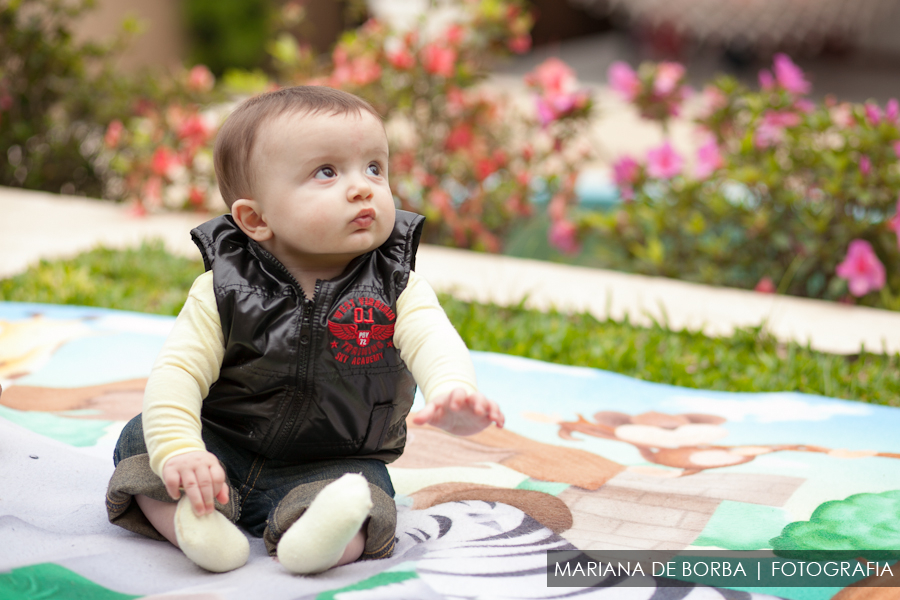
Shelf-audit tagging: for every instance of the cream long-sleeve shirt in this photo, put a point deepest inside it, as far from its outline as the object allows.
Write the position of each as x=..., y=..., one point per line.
x=192, y=355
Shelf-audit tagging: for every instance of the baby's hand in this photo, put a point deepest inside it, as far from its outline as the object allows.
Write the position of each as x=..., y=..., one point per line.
x=460, y=413
x=201, y=476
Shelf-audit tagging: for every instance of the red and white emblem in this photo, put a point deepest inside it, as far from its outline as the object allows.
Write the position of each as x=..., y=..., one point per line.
x=361, y=341
x=351, y=331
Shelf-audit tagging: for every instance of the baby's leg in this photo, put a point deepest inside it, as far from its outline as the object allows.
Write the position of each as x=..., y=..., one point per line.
x=329, y=533
x=160, y=514
x=137, y=500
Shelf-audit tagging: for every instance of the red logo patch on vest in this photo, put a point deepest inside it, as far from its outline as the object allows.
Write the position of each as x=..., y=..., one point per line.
x=358, y=338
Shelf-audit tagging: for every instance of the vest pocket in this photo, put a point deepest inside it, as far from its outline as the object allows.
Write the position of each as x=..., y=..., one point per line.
x=378, y=425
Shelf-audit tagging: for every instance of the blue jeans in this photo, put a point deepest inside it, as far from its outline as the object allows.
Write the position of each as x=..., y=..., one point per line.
x=266, y=495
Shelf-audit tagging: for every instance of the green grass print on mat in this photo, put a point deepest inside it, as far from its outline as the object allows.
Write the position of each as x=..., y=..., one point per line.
x=49, y=580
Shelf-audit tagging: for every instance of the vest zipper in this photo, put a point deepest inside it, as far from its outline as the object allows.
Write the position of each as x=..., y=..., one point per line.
x=303, y=353
x=305, y=357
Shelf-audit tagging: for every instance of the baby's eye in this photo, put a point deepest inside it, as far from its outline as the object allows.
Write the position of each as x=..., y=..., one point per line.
x=374, y=169
x=325, y=173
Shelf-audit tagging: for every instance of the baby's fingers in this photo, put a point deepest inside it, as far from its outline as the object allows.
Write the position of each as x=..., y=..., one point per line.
x=172, y=481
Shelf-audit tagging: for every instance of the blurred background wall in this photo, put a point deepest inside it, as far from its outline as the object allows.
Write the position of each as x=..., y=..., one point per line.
x=849, y=47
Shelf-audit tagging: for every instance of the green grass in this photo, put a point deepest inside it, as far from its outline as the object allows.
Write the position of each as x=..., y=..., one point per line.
x=151, y=280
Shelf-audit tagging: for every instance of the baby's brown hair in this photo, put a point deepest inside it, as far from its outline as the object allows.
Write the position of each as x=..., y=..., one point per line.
x=236, y=139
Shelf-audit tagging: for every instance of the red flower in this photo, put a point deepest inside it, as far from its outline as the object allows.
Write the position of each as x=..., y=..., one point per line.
x=113, y=134
x=194, y=128
x=459, y=137
x=439, y=60
x=401, y=59
x=520, y=44
x=163, y=160
x=563, y=237
x=454, y=34
x=765, y=286
x=196, y=196
x=484, y=167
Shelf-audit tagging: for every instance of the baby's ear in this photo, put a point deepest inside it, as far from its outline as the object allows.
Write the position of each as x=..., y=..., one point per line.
x=249, y=218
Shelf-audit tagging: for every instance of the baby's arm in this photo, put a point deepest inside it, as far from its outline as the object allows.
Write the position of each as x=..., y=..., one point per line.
x=187, y=366
x=440, y=364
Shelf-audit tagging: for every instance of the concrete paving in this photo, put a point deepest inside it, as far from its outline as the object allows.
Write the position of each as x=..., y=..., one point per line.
x=38, y=225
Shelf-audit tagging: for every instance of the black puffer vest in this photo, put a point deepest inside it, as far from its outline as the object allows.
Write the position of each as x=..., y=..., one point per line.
x=309, y=379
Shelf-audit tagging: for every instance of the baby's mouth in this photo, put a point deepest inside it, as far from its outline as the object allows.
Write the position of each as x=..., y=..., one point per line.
x=364, y=218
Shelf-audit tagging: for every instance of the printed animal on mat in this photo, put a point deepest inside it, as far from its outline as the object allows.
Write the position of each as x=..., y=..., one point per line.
x=685, y=441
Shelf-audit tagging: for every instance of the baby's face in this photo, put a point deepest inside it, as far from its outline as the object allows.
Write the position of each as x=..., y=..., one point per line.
x=322, y=185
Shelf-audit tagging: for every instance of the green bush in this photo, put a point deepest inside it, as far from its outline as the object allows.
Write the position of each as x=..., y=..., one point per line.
x=50, y=117
x=229, y=34
x=785, y=195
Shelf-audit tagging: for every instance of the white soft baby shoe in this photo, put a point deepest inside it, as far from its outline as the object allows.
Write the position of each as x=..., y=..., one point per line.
x=211, y=541
x=316, y=541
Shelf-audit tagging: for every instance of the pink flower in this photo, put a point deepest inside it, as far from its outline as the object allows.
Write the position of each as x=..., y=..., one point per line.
x=401, y=59
x=781, y=118
x=365, y=70
x=545, y=112
x=873, y=114
x=770, y=131
x=113, y=134
x=624, y=80
x=766, y=80
x=789, y=75
x=765, y=286
x=553, y=77
x=713, y=99
x=865, y=165
x=663, y=162
x=556, y=83
x=626, y=171
x=439, y=60
x=563, y=237
x=709, y=159
x=805, y=105
x=201, y=79
x=668, y=76
x=892, y=111
x=454, y=34
x=862, y=269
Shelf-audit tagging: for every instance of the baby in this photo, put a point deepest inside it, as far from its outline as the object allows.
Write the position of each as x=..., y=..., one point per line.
x=284, y=387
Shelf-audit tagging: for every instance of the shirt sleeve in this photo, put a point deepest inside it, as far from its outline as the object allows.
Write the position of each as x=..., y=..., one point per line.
x=429, y=344
x=186, y=367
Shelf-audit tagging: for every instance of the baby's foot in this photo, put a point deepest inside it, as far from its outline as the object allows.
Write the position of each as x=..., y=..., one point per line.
x=211, y=541
x=316, y=541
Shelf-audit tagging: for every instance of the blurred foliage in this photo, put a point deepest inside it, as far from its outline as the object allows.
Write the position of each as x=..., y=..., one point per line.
x=229, y=34
x=786, y=195
x=151, y=280
x=58, y=97
x=49, y=110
